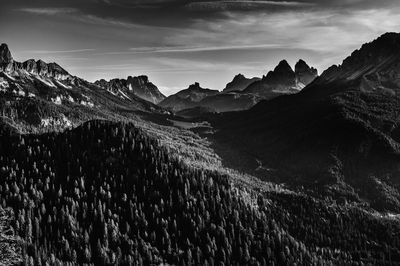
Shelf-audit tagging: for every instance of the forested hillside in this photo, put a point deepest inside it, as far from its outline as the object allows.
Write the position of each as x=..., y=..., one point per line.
x=107, y=194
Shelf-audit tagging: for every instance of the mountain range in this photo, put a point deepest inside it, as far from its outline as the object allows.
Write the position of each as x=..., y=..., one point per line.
x=283, y=80
x=243, y=93
x=308, y=174
x=35, y=94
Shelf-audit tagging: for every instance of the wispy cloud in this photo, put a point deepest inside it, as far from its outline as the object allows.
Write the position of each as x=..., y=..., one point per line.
x=57, y=51
x=89, y=18
x=199, y=48
x=243, y=5
x=49, y=11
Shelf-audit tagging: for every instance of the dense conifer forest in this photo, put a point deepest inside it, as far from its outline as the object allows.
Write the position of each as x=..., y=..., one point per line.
x=107, y=194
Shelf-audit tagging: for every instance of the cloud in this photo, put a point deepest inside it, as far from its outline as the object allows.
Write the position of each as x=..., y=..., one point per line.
x=86, y=17
x=178, y=49
x=244, y=5
x=57, y=51
x=49, y=11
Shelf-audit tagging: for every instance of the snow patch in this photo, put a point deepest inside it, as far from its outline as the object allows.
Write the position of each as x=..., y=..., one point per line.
x=8, y=76
x=70, y=99
x=4, y=85
x=113, y=93
x=124, y=95
x=19, y=91
x=63, y=85
x=46, y=82
x=86, y=97
x=87, y=103
x=56, y=121
x=56, y=100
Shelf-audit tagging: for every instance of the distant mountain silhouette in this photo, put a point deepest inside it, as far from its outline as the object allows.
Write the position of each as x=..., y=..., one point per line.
x=188, y=98
x=340, y=133
x=243, y=93
x=239, y=83
x=304, y=73
x=283, y=80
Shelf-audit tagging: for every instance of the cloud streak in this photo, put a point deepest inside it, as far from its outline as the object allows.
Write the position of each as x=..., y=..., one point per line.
x=49, y=11
x=199, y=49
x=57, y=51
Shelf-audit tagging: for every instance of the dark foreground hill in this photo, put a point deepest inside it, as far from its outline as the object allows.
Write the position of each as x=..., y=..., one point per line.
x=105, y=193
x=341, y=132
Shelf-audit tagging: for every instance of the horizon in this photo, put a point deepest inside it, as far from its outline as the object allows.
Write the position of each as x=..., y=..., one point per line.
x=177, y=43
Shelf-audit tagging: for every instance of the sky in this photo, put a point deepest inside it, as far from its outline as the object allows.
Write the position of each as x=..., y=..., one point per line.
x=179, y=42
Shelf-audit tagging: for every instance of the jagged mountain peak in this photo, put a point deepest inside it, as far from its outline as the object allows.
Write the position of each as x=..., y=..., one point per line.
x=283, y=65
x=195, y=86
x=141, y=78
x=282, y=70
x=5, y=54
x=304, y=73
x=239, y=77
x=301, y=64
x=282, y=74
x=33, y=67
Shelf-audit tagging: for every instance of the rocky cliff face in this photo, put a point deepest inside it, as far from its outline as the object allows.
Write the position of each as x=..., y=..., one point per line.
x=138, y=86
x=6, y=59
x=304, y=73
x=39, y=67
x=142, y=87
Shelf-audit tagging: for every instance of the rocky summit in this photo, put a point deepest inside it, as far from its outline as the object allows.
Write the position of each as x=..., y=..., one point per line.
x=6, y=59
x=304, y=73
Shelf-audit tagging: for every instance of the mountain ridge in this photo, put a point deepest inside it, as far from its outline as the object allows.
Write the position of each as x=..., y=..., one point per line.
x=35, y=95
x=336, y=132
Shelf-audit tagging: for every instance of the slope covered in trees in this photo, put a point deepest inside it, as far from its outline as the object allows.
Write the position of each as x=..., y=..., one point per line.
x=10, y=245
x=106, y=193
